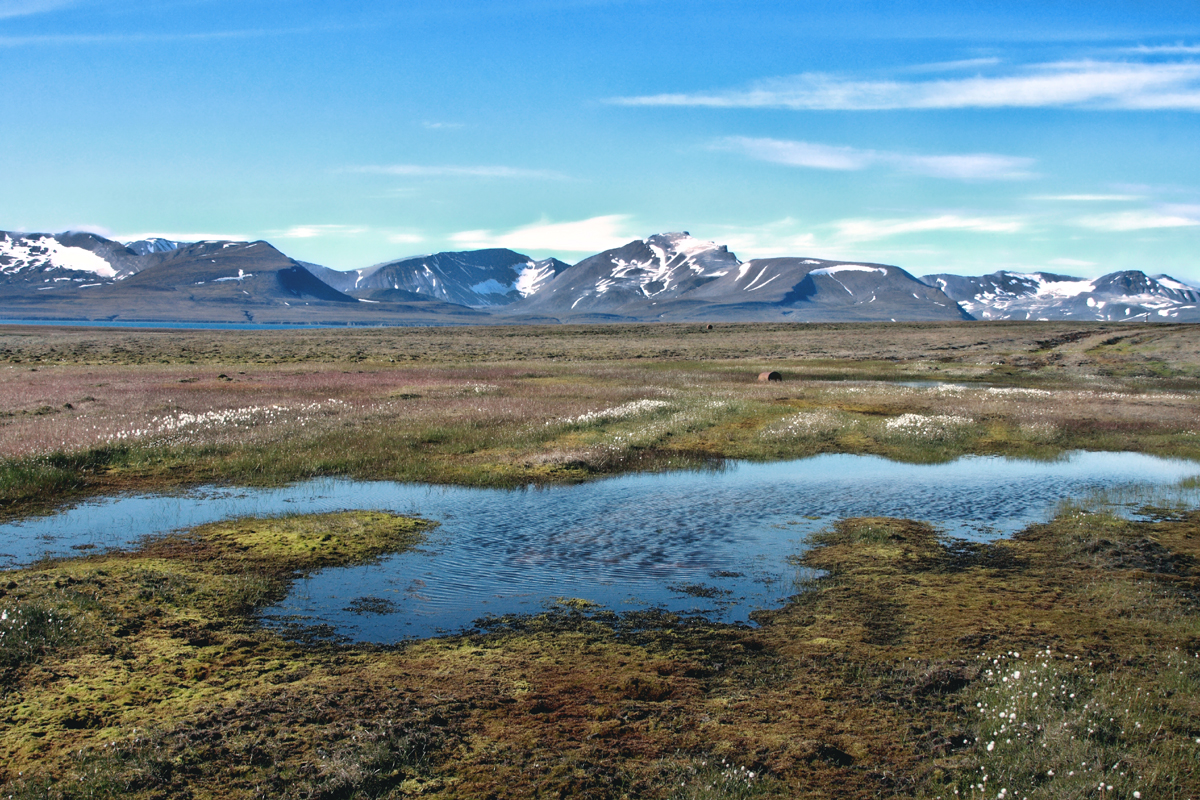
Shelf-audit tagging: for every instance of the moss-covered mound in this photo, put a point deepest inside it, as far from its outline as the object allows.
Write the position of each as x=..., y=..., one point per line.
x=1046, y=666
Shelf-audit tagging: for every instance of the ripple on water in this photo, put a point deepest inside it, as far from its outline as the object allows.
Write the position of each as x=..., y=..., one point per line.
x=711, y=541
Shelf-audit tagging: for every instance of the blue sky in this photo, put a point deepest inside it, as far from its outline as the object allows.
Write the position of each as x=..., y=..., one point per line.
x=940, y=136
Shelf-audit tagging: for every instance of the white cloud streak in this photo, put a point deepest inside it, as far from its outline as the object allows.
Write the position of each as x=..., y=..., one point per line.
x=317, y=231
x=861, y=239
x=405, y=238
x=25, y=8
x=1089, y=198
x=452, y=171
x=799, y=154
x=1165, y=49
x=145, y=38
x=1124, y=221
x=972, y=166
x=1079, y=84
x=868, y=229
x=582, y=236
x=949, y=66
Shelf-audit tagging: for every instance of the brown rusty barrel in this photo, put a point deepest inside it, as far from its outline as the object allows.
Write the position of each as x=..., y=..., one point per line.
x=763, y=377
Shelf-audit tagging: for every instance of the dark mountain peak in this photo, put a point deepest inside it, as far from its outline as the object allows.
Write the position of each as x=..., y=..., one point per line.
x=145, y=247
x=676, y=276
x=1124, y=282
x=474, y=278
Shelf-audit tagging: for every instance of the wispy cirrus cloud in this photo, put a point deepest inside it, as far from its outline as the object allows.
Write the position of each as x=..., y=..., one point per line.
x=147, y=38
x=1178, y=216
x=970, y=166
x=871, y=239
x=581, y=236
x=405, y=238
x=1165, y=49
x=339, y=231
x=317, y=231
x=456, y=171
x=24, y=8
x=799, y=154
x=1089, y=198
x=951, y=66
x=1076, y=84
x=858, y=230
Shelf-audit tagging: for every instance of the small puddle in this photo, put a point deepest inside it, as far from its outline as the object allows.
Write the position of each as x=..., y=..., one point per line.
x=712, y=542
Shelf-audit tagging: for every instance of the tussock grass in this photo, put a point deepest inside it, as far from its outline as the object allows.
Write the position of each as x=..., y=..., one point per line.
x=713, y=779
x=1053, y=726
x=31, y=630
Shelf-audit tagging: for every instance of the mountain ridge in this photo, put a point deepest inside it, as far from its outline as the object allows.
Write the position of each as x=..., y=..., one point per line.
x=664, y=277
x=1124, y=294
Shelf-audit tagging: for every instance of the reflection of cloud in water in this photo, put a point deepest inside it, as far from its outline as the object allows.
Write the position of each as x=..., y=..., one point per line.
x=618, y=542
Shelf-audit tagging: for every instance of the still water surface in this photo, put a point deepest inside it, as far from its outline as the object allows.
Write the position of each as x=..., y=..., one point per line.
x=714, y=541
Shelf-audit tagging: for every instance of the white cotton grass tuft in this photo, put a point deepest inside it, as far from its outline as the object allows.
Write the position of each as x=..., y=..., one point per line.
x=1049, y=725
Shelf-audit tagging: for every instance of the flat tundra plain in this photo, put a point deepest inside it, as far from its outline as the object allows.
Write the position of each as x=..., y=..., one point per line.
x=1064, y=662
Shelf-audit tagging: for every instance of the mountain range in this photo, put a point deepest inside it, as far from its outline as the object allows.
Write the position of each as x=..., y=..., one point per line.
x=665, y=277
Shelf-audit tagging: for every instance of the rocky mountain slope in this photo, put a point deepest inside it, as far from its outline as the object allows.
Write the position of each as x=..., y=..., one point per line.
x=84, y=277
x=46, y=262
x=665, y=277
x=674, y=276
x=473, y=278
x=1125, y=295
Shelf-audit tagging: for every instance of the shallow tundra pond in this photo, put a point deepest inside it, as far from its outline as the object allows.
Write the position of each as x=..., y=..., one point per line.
x=715, y=542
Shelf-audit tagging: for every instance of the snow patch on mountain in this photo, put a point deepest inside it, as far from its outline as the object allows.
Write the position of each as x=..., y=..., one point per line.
x=844, y=268
x=1171, y=283
x=674, y=257
x=45, y=252
x=1058, y=288
x=1125, y=295
x=533, y=276
x=490, y=286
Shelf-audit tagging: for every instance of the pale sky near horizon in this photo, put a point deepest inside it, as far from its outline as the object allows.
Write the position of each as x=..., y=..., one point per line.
x=940, y=136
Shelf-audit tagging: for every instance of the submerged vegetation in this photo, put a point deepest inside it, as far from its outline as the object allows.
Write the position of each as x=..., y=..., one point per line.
x=1064, y=662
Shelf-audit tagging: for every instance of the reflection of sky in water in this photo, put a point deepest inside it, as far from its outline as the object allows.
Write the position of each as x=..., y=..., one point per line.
x=627, y=542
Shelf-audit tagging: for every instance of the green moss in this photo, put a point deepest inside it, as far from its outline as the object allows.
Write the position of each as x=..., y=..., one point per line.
x=871, y=673
x=306, y=542
x=865, y=684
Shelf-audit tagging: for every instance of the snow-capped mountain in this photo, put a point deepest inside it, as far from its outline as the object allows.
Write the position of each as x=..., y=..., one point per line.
x=665, y=277
x=1125, y=295
x=633, y=279
x=674, y=276
x=474, y=278
x=44, y=261
x=83, y=276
